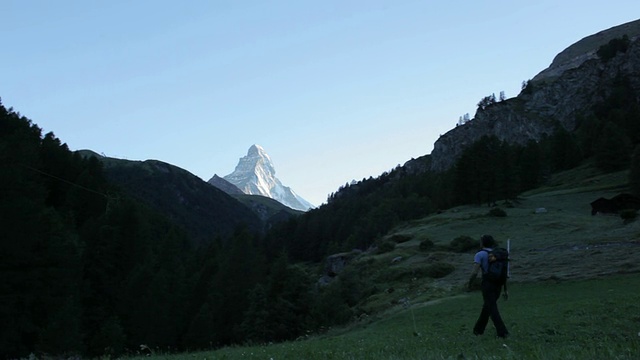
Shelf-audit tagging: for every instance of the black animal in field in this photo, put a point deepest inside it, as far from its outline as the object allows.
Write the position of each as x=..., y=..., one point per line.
x=615, y=204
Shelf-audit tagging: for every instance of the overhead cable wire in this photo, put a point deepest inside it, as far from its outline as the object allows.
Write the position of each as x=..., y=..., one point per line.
x=65, y=181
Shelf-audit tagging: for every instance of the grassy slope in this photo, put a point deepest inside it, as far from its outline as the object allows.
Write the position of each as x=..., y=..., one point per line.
x=573, y=293
x=583, y=319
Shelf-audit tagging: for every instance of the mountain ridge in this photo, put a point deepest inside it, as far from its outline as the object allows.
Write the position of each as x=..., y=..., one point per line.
x=224, y=185
x=585, y=49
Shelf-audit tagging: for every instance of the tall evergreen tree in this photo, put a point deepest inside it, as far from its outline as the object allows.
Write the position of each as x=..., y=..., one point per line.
x=529, y=166
x=289, y=293
x=564, y=151
x=241, y=268
x=634, y=172
x=588, y=132
x=613, y=149
x=39, y=250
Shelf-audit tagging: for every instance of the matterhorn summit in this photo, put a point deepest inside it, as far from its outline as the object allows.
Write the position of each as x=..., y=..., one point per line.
x=256, y=175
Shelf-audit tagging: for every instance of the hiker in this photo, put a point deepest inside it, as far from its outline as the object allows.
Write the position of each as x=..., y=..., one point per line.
x=490, y=289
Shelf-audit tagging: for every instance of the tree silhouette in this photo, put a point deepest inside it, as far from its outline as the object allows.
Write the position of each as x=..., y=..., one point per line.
x=612, y=149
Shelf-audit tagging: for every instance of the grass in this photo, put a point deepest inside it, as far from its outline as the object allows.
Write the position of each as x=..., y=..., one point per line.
x=573, y=290
x=584, y=319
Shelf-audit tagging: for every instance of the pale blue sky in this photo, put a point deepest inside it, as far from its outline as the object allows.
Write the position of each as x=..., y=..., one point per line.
x=332, y=90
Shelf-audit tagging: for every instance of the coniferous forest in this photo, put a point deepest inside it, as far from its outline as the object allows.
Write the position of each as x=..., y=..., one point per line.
x=85, y=269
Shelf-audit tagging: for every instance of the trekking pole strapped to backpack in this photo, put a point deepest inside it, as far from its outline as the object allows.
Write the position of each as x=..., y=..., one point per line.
x=506, y=293
x=508, y=252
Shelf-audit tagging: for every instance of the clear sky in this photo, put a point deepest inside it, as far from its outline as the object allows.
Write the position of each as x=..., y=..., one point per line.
x=333, y=90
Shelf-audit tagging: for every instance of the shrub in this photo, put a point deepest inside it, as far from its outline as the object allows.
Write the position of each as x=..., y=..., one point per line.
x=425, y=245
x=386, y=246
x=609, y=50
x=463, y=244
x=399, y=238
x=528, y=87
x=439, y=270
x=497, y=212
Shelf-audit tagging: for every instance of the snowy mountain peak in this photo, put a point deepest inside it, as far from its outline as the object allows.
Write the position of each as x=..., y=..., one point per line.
x=256, y=175
x=257, y=150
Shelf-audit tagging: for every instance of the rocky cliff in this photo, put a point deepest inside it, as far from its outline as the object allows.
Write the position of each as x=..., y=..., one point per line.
x=576, y=80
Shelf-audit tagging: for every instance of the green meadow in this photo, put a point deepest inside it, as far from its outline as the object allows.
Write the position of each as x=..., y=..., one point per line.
x=583, y=319
x=574, y=291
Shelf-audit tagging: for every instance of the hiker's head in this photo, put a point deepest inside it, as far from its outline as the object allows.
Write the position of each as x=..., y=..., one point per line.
x=487, y=241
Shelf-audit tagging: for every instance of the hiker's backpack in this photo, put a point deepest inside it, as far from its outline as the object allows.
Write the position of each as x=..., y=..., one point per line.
x=498, y=265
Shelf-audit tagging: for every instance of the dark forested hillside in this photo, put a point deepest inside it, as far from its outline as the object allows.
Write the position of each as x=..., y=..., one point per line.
x=78, y=261
x=42, y=214
x=88, y=269
x=204, y=211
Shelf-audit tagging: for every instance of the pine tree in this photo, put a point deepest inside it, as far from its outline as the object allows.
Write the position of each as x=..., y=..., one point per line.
x=634, y=172
x=612, y=149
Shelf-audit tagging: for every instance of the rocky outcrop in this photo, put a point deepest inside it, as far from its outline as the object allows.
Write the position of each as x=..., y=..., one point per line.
x=335, y=264
x=577, y=90
x=418, y=166
x=551, y=100
x=585, y=49
x=506, y=120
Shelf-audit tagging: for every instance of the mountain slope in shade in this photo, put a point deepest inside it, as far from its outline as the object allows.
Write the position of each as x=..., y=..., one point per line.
x=204, y=211
x=224, y=185
x=255, y=175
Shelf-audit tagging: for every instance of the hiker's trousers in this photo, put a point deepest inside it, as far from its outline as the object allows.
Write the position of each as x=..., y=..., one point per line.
x=490, y=295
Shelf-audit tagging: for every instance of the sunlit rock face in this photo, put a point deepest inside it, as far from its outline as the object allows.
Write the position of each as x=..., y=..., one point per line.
x=256, y=175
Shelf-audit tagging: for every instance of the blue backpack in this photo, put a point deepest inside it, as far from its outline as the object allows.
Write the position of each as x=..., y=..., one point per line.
x=498, y=266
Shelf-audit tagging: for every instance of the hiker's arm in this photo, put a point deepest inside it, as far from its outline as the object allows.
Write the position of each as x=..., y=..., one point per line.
x=474, y=274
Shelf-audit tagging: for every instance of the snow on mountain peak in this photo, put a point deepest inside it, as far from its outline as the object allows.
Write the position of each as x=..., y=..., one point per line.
x=256, y=175
x=256, y=150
